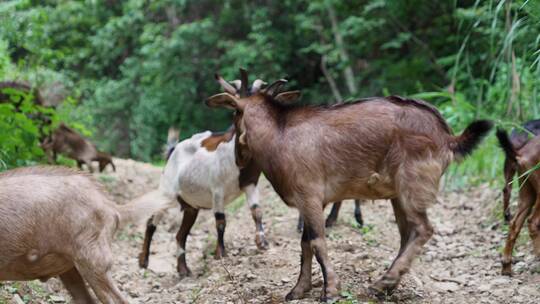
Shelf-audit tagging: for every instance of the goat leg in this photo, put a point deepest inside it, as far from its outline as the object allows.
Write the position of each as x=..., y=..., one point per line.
x=300, y=225
x=509, y=172
x=304, y=280
x=358, y=213
x=94, y=268
x=74, y=283
x=526, y=201
x=219, y=214
x=332, y=217
x=190, y=216
x=534, y=227
x=220, y=227
x=148, y=234
x=314, y=236
x=252, y=195
x=415, y=230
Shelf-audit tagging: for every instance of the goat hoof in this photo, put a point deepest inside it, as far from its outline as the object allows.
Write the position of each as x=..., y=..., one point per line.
x=262, y=244
x=359, y=221
x=143, y=261
x=506, y=269
x=507, y=217
x=383, y=287
x=297, y=292
x=330, y=223
x=220, y=254
x=329, y=295
x=184, y=273
x=293, y=296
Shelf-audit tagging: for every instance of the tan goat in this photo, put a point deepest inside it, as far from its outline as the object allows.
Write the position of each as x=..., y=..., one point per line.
x=56, y=221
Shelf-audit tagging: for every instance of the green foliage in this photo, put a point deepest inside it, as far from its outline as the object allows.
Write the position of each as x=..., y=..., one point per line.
x=19, y=133
x=139, y=66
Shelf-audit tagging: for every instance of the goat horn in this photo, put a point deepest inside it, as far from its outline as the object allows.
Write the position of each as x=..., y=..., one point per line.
x=274, y=87
x=257, y=85
x=244, y=79
x=225, y=85
x=242, y=138
x=237, y=83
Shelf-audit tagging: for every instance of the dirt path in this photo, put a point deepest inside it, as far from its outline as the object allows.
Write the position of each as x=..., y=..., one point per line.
x=460, y=264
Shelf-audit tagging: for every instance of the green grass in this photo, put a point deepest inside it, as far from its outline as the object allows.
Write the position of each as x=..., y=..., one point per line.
x=485, y=165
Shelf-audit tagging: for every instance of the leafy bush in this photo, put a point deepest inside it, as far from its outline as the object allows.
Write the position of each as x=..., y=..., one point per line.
x=21, y=130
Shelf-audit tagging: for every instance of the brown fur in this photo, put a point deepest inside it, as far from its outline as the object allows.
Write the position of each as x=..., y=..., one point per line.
x=518, y=138
x=24, y=87
x=525, y=158
x=378, y=148
x=212, y=142
x=67, y=141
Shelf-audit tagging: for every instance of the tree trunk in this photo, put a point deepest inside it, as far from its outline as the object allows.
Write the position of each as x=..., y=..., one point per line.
x=348, y=73
x=331, y=81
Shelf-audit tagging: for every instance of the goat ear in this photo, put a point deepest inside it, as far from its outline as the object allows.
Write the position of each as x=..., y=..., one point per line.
x=289, y=97
x=224, y=100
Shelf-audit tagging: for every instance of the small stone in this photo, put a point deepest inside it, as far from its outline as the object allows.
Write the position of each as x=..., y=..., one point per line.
x=447, y=286
x=57, y=299
x=484, y=287
x=285, y=280
x=17, y=300
x=520, y=266
x=503, y=292
x=500, y=281
x=530, y=291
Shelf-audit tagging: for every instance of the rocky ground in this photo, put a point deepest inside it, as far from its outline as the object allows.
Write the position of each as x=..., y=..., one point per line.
x=460, y=264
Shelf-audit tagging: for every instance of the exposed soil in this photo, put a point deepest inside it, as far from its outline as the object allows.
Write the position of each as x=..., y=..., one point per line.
x=460, y=264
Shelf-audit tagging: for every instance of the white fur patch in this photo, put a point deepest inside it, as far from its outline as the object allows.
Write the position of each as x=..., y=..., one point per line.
x=204, y=179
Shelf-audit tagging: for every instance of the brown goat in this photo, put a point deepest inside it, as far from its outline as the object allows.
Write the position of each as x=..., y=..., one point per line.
x=518, y=138
x=377, y=148
x=56, y=221
x=67, y=141
x=524, y=159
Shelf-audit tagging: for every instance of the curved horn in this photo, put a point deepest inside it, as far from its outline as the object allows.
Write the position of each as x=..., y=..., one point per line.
x=225, y=85
x=237, y=83
x=273, y=89
x=257, y=85
x=244, y=79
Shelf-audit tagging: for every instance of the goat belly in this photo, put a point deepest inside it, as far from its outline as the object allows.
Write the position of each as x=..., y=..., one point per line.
x=21, y=269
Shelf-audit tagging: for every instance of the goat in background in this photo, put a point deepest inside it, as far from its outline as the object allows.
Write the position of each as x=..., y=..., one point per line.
x=201, y=173
x=67, y=141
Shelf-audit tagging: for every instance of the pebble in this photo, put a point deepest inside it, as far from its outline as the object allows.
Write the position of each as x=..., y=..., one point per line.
x=17, y=300
x=446, y=286
x=57, y=299
x=484, y=287
x=503, y=292
x=530, y=291
x=520, y=266
x=500, y=281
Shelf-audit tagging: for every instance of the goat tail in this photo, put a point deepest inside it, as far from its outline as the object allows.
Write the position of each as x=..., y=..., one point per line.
x=112, y=165
x=506, y=145
x=464, y=144
x=145, y=206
